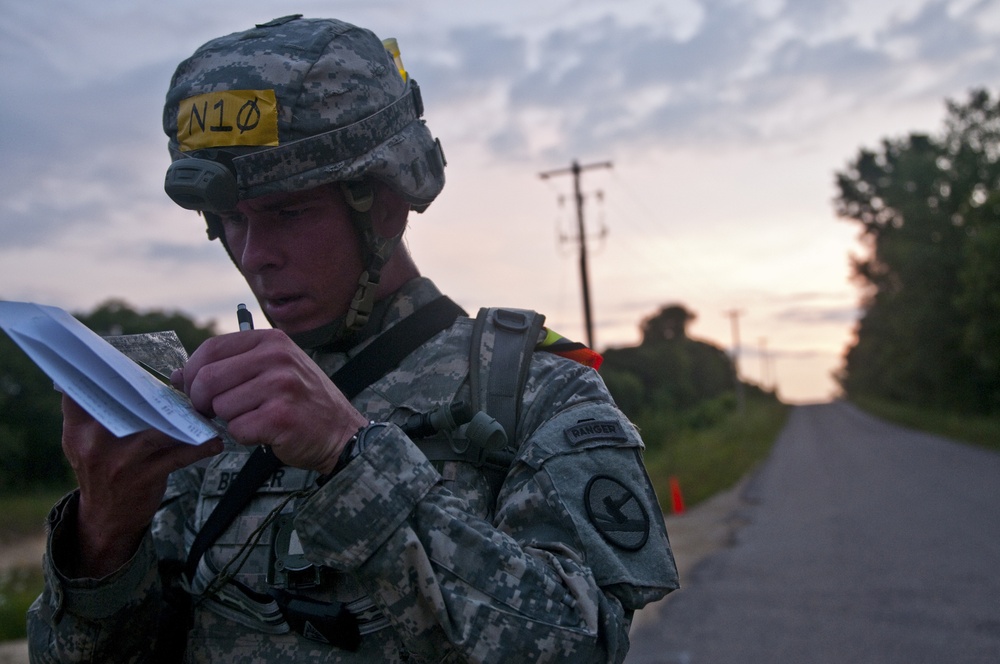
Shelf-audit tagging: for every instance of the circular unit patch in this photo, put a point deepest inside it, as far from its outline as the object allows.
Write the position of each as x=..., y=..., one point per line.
x=616, y=513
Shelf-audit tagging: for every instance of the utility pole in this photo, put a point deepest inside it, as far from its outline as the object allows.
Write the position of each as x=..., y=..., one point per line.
x=765, y=362
x=575, y=168
x=734, y=318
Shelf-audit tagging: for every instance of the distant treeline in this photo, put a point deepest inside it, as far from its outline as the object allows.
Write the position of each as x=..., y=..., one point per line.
x=929, y=212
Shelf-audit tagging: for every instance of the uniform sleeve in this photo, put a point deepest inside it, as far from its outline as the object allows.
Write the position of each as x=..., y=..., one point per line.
x=576, y=546
x=92, y=620
x=113, y=619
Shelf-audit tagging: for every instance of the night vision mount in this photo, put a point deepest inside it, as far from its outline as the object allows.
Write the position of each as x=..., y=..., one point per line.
x=202, y=184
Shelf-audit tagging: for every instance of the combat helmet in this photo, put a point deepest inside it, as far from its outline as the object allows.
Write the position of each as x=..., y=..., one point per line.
x=293, y=104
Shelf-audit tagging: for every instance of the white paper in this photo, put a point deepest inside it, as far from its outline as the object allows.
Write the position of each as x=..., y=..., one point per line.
x=116, y=391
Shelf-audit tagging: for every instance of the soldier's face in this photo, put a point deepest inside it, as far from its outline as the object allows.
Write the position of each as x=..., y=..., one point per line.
x=299, y=253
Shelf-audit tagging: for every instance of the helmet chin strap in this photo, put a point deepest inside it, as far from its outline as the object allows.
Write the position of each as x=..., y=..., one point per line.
x=376, y=251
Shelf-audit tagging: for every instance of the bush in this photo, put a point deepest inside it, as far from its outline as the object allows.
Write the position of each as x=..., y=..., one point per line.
x=977, y=429
x=711, y=459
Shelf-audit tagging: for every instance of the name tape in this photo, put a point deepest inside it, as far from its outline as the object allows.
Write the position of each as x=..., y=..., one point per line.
x=228, y=118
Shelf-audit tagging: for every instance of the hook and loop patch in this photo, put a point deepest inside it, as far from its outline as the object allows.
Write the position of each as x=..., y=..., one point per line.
x=616, y=512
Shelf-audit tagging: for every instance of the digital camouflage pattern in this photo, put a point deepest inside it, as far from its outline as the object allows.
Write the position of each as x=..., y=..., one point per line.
x=435, y=570
x=344, y=111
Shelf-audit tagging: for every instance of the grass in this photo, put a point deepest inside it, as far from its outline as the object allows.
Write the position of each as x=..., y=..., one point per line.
x=978, y=430
x=23, y=516
x=709, y=460
x=18, y=589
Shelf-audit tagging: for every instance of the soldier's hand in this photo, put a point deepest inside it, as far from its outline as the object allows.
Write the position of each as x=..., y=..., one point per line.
x=271, y=393
x=122, y=481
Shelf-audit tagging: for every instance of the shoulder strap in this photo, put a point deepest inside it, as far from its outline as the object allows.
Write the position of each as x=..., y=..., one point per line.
x=377, y=359
x=390, y=348
x=502, y=343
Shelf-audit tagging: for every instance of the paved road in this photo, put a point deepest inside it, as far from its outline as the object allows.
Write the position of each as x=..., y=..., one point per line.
x=863, y=542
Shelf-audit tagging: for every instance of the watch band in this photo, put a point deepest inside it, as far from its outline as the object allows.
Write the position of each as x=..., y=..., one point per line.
x=352, y=449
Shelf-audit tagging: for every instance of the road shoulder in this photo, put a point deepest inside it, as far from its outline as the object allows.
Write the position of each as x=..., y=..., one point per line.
x=697, y=533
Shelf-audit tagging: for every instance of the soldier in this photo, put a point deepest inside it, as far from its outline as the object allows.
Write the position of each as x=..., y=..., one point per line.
x=459, y=491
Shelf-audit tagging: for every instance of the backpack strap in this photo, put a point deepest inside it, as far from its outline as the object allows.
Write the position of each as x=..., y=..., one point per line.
x=500, y=354
x=378, y=358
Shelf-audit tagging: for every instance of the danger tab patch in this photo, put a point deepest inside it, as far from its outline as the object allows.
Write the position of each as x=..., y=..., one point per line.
x=595, y=430
x=228, y=118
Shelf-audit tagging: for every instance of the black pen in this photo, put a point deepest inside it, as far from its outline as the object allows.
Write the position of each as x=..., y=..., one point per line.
x=244, y=317
x=246, y=323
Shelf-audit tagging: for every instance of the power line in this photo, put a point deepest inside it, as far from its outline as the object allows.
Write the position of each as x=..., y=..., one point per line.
x=575, y=169
x=734, y=318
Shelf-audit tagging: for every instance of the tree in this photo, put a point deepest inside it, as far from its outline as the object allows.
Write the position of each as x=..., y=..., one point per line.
x=115, y=316
x=30, y=422
x=669, y=324
x=921, y=202
x=668, y=370
x=979, y=299
x=30, y=417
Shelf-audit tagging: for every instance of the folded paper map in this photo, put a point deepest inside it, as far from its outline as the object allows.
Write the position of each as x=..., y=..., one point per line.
x=114, y=389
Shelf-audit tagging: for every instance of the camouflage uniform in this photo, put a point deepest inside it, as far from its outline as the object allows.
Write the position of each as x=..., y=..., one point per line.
x=418, y=552
x=432, y=561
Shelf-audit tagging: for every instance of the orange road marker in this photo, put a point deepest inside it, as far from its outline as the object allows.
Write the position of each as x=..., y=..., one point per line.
x=676, y=498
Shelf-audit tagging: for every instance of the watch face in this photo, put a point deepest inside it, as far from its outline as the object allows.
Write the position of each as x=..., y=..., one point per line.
x=361, y=438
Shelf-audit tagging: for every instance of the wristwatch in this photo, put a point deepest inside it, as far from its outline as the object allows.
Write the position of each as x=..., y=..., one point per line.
x=352, y=449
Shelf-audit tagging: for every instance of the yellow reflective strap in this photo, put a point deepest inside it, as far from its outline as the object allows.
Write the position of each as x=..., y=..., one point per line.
x=550, y=338
x=559, y=345
x=228, y=118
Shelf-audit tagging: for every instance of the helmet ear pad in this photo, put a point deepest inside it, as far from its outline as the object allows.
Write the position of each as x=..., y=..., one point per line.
x=391, y=213
x=213, y=226
x=215, y=231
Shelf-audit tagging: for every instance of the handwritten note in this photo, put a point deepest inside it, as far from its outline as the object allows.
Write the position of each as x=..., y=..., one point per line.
x=116, y=391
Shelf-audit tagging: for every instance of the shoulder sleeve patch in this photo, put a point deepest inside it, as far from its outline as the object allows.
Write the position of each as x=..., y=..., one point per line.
x=616, y=513
x=587, y=430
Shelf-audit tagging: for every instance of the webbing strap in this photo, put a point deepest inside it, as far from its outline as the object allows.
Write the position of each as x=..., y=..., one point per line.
x=390, y=348
x=261, y=464
x=515, y=334
x=377, y=359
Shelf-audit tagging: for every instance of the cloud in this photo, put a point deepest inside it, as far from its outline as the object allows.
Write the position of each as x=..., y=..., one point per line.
x=740, y=75
x=73, y=155
x=615, y=83
x=818, y=315
x=938, y=34
x=790, y=353
x=179, y=255
x=470, y=59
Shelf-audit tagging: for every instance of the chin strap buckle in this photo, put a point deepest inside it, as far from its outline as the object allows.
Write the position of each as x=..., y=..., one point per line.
x=363, y=302
x=358, y=194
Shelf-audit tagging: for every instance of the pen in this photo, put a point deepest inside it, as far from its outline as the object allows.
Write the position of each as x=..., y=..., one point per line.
x=246, y=323
x=244, y=317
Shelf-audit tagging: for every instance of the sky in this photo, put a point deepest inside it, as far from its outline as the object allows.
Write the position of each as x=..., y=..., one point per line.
x=714, y=129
